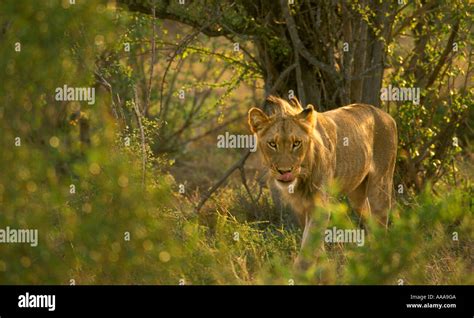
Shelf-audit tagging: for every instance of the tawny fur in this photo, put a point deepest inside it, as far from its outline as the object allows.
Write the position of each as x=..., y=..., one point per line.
x=354, y=146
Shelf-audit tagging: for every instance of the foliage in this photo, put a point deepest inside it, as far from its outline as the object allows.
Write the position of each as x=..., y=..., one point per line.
x=102, y=183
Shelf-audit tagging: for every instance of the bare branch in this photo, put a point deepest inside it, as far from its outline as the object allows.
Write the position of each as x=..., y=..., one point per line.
x=152, y=62
x=442, y=60
x=280, y=79
x=217, y=128
x=238, y=165
x=244, y=181
x=299, y=45
x=142, y=135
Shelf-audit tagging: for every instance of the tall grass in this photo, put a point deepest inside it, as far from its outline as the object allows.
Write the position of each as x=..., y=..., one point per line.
x=115, y=231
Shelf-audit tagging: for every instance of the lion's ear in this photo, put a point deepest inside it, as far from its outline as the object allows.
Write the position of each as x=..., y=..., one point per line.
x=308, y=116
x=296, y=103
x=257, y=119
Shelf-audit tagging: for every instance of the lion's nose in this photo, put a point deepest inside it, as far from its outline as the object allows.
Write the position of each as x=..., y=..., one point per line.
x=284, y=170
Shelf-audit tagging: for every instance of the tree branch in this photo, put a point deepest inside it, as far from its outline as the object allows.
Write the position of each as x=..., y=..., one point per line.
x=142, y=135
x=238, y=165
x=299, y=45
x=280, y=79
x=152, y=62
x=165, y=12
x=448, y=49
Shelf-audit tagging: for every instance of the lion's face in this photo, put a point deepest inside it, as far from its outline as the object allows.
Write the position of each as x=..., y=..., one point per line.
x=285, y=143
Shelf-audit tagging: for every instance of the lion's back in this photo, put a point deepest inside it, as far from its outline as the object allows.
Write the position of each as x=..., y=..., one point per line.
x=365, y=139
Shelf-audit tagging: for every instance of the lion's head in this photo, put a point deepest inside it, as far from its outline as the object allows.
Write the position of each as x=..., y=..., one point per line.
x=285, y=140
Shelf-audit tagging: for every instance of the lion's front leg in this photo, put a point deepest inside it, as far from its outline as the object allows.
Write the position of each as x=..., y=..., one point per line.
x=312, y=242
x=308, y=229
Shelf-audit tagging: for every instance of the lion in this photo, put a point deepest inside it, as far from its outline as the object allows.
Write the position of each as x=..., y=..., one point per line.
x=306, y=151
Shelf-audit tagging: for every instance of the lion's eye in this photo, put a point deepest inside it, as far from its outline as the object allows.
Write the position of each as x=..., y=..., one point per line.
x=297, y=143
x=272, y=144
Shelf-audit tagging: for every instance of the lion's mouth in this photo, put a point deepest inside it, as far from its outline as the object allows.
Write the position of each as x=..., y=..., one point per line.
x=287, y=177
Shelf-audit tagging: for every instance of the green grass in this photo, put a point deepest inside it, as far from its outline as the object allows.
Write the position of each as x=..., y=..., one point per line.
x=82, y=235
